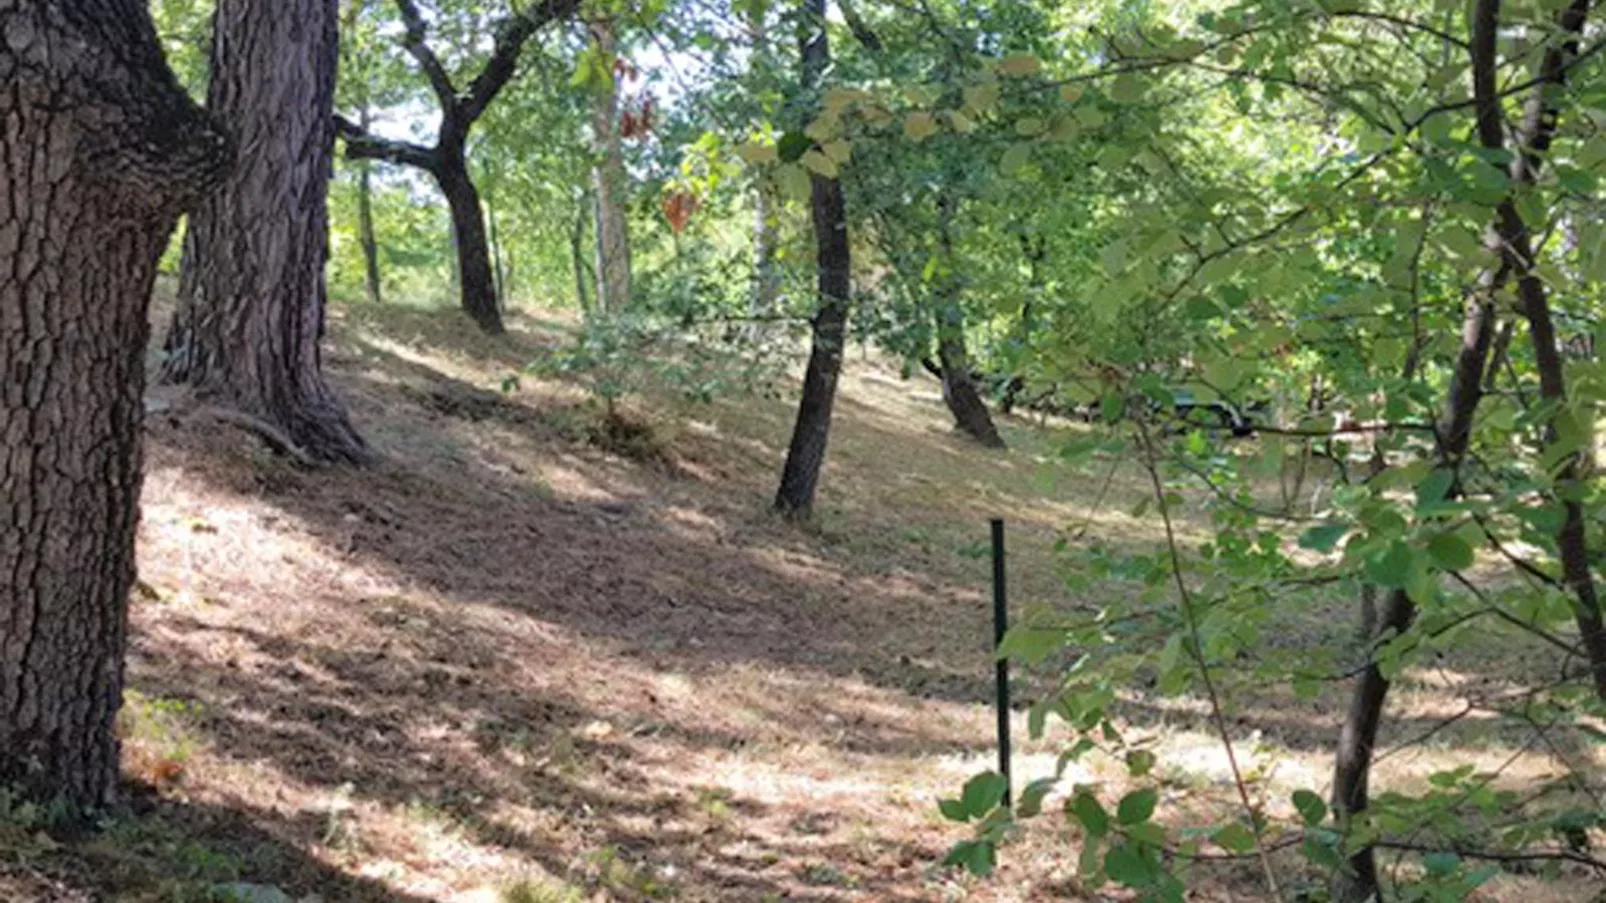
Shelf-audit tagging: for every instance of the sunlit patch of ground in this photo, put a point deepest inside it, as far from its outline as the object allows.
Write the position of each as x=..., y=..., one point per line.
x=504, y=661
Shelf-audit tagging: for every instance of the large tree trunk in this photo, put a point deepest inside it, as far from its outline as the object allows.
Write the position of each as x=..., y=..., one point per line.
x=613, y=229
x=833, y=264
x=100, y=151
x=476, y=278
x=958, y=387
x=365, y=226
x=251, y=306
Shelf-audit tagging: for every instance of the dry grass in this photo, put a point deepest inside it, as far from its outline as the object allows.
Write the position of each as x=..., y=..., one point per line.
x=506, y=664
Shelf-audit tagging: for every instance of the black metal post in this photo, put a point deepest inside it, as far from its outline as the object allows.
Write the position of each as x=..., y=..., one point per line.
x=1000, y=626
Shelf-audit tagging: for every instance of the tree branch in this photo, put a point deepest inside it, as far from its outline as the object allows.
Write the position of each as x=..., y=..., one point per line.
x=360, y=145
x=504, y=61
x=413, y=41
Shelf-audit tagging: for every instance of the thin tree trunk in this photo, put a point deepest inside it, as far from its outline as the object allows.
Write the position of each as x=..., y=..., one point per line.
x=1516, y=243
x=958, y=387
x=613, y=230
x=766, y=245
x=1358, y=882
x=498, y=270
x=577, y=236
x=805, y=454
x=766, y=235
x=1507, y=241
x=100, y=152
x=252, y=300
x=476, y=278
x=365, y=224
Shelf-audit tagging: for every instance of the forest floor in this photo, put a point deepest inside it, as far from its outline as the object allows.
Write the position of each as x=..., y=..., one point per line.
x=505, y=664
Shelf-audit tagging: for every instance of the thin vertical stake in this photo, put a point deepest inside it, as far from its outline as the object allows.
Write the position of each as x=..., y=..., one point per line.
x=1000, y=626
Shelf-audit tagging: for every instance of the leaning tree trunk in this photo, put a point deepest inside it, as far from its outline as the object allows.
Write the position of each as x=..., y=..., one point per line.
x=613, y=229
x=251, y=305
x=805, y=455
x=100, y=152
x=476, y=278
x=958, y=387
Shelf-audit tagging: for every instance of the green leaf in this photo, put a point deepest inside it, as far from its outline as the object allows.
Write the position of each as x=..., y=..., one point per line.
x=1137, y=806
x=816, y=162
x=1087, y=810
x=1312, y=809
x=1139, y=762
x=919, y=125
x=1391, y=567
x=1015, y=157
x=1451, y=552
x=976, y=856
x=953, y=810
x=983, y=792
x=792, y=146
x=754, y=153
x=1126, y=865
x=1323, y=538
x=1031, y=798
x=1432, y=490
x=1441, y=864
x=1234, y=838
x=1018, y=65
x=1031, y=644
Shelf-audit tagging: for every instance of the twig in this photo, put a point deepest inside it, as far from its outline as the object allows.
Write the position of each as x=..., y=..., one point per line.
x=1196, y=648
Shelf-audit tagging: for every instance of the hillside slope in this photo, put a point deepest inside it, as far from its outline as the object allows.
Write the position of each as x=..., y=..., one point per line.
x=503, y=661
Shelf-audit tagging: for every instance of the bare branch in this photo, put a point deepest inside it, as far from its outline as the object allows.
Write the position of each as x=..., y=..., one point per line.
x=360, y=145
x=510, y=40
x=413, y=42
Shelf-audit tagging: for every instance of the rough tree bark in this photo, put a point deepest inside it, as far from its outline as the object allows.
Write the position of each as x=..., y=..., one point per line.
x=447, y=159
x=100, y=152
x=958, y=386
x=1506, y=242
x=805, y=455
x=608, y=184
x=251, y=299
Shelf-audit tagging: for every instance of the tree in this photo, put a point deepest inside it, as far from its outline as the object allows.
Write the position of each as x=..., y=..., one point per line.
x=101, y=152
x=447, y=159
x=958, y=386
x=608, y=178
x=811, y=432
x=252, y=294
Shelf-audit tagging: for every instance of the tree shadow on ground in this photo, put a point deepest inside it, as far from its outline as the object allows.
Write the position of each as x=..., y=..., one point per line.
x=447, y=709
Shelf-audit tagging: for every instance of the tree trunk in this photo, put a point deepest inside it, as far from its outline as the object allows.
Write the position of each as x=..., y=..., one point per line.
x=613, y=230
x=766, y=234
x=498, y=268
x=100, y=152
x=766, y=244
x=476, y=279
x=577, y=237
x=1358, y=737
x=365, y=226
x=833, y=264
x=251, y=306
x=958, y=387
